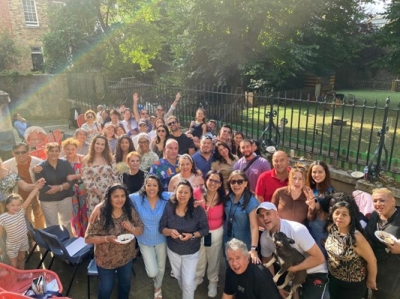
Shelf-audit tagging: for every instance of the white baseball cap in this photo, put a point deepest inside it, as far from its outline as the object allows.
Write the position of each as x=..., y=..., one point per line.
x=267, y=206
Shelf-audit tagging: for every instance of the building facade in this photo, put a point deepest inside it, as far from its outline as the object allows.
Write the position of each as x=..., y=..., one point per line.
x=26, y=21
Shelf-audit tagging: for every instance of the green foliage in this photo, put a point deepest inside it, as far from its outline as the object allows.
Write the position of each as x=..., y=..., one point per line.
x=9, y=52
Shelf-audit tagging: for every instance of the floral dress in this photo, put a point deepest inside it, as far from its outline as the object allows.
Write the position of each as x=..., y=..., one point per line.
x=7, y=184
x=147, y=160
x=98, y=177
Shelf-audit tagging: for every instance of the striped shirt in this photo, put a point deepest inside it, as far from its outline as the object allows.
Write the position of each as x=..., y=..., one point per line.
x=15, y=226
x=150, y=218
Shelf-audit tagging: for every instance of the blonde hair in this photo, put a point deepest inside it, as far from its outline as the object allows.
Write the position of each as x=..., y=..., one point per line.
x=51, y=145
x=297, y=168
x=134, y=153
x=70, y=141
x=385, y=191
x=90, y=112
x=13, y=196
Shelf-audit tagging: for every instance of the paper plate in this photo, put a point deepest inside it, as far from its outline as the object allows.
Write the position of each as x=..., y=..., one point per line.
x=357, y=174
x=125, y=238
x=271, y=149
x=385, y=237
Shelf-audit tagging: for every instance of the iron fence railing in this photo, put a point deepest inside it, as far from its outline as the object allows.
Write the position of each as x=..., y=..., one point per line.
x=348, y=135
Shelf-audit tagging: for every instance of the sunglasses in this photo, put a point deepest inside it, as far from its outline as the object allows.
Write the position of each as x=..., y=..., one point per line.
x=172, y=123
x=161, y=131
x=214, y=181
x=90, y=116
x=20, y=152
x=239, y=182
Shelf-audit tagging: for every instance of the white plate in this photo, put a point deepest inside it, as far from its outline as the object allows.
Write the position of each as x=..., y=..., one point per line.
x=271, y=149
x=357, y=174
x=125, y=238
x=385, y=237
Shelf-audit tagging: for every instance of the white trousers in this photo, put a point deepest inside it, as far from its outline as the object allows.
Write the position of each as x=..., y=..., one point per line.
x=58, y=212
x=210, y=257
x=154, y=258
x=184, y=269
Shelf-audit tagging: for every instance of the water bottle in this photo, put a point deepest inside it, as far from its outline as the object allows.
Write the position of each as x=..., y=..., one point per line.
x=366, y=172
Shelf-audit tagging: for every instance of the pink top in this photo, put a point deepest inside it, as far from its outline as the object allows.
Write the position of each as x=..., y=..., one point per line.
x=215, y=214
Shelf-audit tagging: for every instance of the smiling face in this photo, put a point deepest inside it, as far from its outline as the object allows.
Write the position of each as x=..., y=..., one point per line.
x=318, y=174
x=223, y=151
x=144, y=145
x=269, y=218
x=225, y=133
x=171, y=150
x=99, y=145
x=124, y=144
x=21, y=155
x=213, y=182
x=134, y=163
x=237, y=184
x=383, y=204
x=14, y=206
x=280, y=161
x=206, y=145
x=238, y=138
x=127, y=115
x=183, y=194
x=246, y=149
x=151, y=187
x=109, y=131
x=53, y=153
x=81, y=137
x=200, y=115
x=118, y=198
x=70, y=150
x=341, y=218
x=119, y=131
x=297, y=180
x=185, y=165
x=237, y=261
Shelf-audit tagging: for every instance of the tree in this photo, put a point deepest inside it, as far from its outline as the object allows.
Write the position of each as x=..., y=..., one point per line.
x=9, y=51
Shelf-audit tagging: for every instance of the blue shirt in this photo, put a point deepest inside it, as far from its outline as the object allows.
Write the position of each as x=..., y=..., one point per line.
x=20, y=127
x=201, y=162
x=150, y=218
x=240, y=219
x=165, y=171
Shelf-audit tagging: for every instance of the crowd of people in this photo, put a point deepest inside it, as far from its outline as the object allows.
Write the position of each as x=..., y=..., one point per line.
x=197, y=197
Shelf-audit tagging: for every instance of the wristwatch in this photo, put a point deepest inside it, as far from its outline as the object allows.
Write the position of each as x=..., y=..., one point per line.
x=253, y=248
x=193, y=237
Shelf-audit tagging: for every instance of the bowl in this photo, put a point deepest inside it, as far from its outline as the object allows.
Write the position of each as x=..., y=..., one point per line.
x=385, y=237
x=271, y=149
x=357, y=174
x=125, y=238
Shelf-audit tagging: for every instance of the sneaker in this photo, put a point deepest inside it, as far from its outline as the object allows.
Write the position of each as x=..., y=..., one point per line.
x=212, y=289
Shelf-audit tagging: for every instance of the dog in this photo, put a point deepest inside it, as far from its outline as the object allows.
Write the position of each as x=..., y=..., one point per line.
x=287, y=256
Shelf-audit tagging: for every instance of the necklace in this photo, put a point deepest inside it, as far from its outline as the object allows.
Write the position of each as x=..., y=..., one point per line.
x=211, y=203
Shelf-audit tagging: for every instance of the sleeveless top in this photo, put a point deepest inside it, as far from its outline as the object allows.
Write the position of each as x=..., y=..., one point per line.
x=189, y=179
x=343, y=261
x=157, y=151
x=197, y=130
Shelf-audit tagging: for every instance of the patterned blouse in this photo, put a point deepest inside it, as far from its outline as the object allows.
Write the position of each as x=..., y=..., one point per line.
x=110, y=255
x=7, y=184
x=343, y=261
x=147, y=160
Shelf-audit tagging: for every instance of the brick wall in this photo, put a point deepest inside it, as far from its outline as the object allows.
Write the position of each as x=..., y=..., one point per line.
x=5, y=18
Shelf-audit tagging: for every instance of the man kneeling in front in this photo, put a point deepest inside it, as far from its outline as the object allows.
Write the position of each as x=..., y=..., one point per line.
x=243, y=279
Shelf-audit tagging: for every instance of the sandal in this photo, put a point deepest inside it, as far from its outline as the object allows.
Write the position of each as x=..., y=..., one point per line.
x=158, y=295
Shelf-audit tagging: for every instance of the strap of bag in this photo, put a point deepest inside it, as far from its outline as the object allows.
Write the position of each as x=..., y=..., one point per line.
x=49, y=294
x=251, y=162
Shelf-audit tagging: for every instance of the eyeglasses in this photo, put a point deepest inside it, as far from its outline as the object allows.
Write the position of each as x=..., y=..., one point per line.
x=161, y=131
x=142, y=125
x=20, y=152
x=172, y=123
x=239, y=182
x=90, y=116
x=143, y=142
x=214, y=181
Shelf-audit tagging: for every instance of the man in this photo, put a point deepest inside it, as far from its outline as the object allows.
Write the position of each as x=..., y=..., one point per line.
x=186, y=144
x=142, y=129
x=251, y=164
x=166, y=168
x=315, y=285
x=143, y=114
x=160, y=113
x=225, y=135
x=273, y=179
x=22, y=164
x=204, y=157
x=129, y=123
x=20, y=124
x=244, y=280
x=211, y=126
x=100, y=110
x=115, y=117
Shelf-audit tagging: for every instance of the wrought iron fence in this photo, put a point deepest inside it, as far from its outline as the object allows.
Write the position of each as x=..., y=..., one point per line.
x=347, y=134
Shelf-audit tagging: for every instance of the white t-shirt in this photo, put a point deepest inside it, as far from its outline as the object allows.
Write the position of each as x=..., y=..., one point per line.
x=302, y=238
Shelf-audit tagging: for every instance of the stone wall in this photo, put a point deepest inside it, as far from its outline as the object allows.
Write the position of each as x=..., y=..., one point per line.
x=38, y=96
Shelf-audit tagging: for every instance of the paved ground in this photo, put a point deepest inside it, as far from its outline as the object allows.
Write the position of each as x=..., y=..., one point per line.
x=142, y=285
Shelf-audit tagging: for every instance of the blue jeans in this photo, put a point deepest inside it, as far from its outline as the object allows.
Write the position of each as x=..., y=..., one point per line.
x=106, y=281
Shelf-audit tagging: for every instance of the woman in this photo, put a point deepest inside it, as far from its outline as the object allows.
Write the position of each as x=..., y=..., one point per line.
x=237, y=138
x=119, y=130
x=188, y=172
x=91, y=126
x=109, y=132
x=134, y=179
x=386, y=217
x=81, y=136
x=211, y=246
x=319, y=179
x=79, y=208
x=241, y=219
x=224, y=161
x=56, y=196
x=148, y=157
x=123, y=147
x=117, y=217
x=153, y=133
x=160, y=140
x=351, y=261
x=184, y=226
x=296, y=202
x=98, y=171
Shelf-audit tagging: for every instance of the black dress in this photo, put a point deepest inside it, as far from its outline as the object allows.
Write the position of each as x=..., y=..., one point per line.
x=134, y=182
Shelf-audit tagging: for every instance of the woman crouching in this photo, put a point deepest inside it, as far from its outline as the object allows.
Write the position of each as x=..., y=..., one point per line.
x=117, y=217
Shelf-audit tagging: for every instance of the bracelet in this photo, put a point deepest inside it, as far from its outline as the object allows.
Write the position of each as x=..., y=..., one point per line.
x=105, y=239
x=61, y=188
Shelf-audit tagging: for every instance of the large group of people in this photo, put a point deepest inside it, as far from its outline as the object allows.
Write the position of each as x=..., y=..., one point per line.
x=194, y=197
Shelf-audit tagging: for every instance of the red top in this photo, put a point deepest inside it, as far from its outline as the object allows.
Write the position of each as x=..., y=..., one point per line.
x=267, y=184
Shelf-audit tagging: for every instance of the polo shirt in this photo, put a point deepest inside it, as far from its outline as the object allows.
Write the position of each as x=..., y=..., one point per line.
x=267, y=184
x=254, y=171
x=201, y=162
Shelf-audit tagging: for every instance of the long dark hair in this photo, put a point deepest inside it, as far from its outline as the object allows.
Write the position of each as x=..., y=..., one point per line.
x=217, y=156
x=347, y=201
x=323, y=186
x=190, y=204
x=142, y=190
x=220, y=190
x=107, y=209
x=118, y=151
x=167, y=135
x=247, y=194
x=236, y=147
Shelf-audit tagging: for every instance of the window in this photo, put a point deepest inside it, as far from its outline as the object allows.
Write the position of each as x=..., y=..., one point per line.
x=30, y=13
x=37, y=58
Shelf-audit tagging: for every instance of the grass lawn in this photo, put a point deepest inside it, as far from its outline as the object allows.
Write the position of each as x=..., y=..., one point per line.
x=372, y=95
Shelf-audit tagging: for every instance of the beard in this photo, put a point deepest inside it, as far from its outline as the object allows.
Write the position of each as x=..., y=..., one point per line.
x=247, y=155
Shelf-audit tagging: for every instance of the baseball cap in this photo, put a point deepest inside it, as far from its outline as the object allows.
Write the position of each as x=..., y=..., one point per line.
x=142, y=121
x=267, y=206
